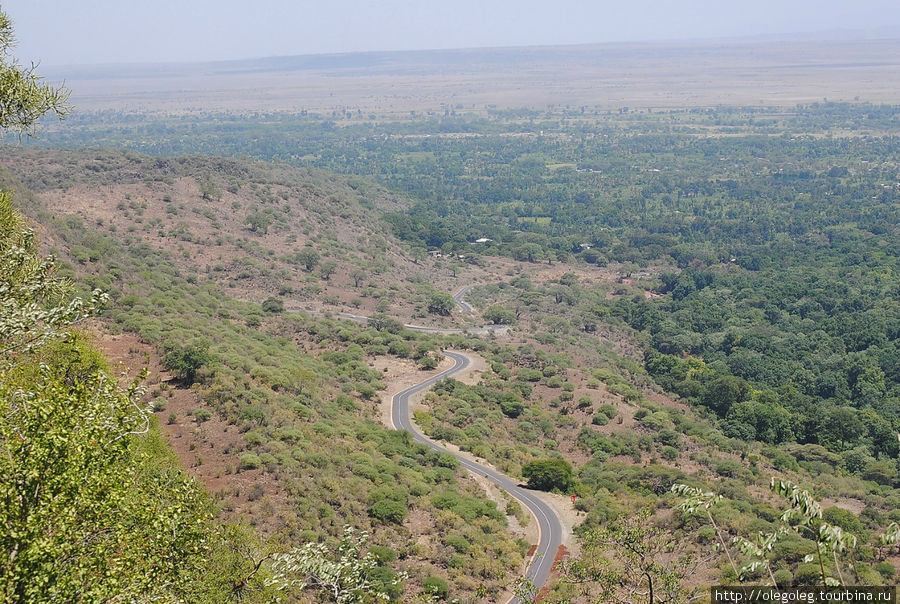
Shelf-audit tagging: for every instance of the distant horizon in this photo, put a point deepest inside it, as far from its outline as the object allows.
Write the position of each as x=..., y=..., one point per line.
x=882, y=33
x=109, y=32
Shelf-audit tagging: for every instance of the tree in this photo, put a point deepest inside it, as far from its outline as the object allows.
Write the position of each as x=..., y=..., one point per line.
x=24, y=99
x=499, y=315
x=259, y=222
x=549, y=474
x=92, y=507
x=840, y=427
x=308, y=257
x=528, y=252
x=427, y=362
x=210, y=191
x=327, y=269
x=511, y=405
x=388, y=511
x=382, y=322
x=724, y=391
x=358, y=275
x=273, y=305
x=696, y=500
x=441, y=303
x=805, y=514
x=187, y=360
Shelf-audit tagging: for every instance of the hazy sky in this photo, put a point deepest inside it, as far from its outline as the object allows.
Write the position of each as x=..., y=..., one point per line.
x=61, y=32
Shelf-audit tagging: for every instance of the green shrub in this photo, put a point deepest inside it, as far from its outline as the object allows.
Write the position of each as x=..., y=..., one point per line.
x=600, y=419
x=387, y=511
x=382, y=555
x=511, y=405
x=555, y=382
x=793, y=549
x=385, y=579
x=267, y=459
x=186, y=361
x=608, y=410
x=706, y=534
x=783, y=577
x=530, y=375
x=458, y=543
x=845, y=519
x=273, y=305
x=807, y=574
x=392, y=493
x=250, y=461
x=887, y=571
x=729, y=468
x=437, y=587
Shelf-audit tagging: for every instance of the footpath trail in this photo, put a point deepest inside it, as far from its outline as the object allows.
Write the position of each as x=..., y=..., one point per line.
x=551, y=530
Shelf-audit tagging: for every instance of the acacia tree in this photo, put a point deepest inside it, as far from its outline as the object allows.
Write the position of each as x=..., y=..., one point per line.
x=441, y=303
x=549, y=474
x=358, y=275
x=308, y=257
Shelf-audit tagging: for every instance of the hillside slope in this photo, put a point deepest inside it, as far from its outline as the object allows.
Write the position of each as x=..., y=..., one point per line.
x=275, y=412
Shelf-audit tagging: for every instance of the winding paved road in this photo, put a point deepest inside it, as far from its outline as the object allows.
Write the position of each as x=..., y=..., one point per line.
x=458, y=298
x=550, y=528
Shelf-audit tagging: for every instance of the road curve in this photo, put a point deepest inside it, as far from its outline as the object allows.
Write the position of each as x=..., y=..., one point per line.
x=458, y=298
x=550, y=527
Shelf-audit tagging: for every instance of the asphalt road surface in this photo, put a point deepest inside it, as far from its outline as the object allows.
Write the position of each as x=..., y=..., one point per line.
x=548, y=522
x=458, y=298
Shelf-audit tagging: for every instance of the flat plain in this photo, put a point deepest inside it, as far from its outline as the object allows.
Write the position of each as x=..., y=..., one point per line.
x=772, y=72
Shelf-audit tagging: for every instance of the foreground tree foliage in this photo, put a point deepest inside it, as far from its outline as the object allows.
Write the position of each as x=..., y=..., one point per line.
x=835, y=548
x=347, y=578
x=629, y=561
x=23, y=97
x=88, y=512
x=93, y=506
